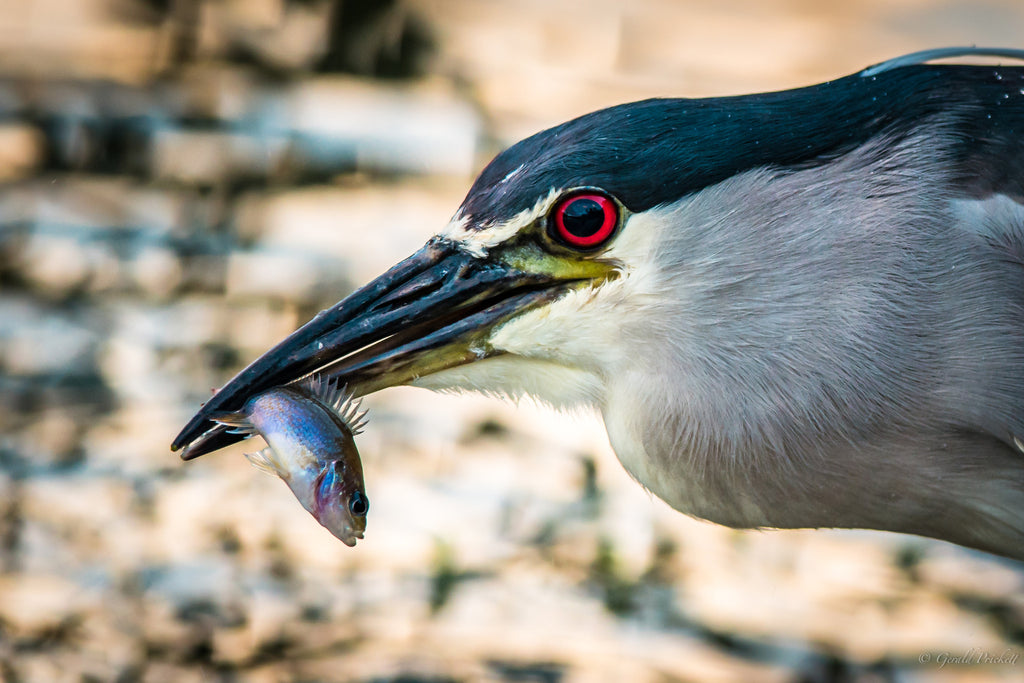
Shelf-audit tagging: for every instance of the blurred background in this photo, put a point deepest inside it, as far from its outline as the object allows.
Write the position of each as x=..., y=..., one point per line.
x=184, y=182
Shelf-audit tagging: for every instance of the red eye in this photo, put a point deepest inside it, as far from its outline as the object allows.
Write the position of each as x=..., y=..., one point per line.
x=584, y=220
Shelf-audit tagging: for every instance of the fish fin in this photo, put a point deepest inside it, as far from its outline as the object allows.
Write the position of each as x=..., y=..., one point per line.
x=339, y=400
x=265, y=461
x=358, y=419
x=239, y=422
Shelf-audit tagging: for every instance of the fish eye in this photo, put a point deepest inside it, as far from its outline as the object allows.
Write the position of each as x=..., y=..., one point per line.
x=359, y=504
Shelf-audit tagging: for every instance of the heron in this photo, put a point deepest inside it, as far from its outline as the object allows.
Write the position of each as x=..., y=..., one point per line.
x=793, y=309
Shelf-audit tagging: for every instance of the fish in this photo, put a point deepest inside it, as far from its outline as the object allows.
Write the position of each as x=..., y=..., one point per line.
x=310, y=430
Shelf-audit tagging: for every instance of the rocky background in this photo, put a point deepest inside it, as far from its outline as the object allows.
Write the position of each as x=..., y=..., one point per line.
x=186, y=181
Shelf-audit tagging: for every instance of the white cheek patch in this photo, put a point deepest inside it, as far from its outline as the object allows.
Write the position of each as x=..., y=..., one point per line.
x=478, y=240
x=638, y=238
x=583, y=327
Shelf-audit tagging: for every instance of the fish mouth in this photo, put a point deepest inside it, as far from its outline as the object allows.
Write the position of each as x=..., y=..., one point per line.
x=434, y=310
x=349, y=539
x=347, y=535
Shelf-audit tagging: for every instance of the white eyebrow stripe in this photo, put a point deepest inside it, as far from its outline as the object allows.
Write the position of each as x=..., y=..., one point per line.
x=479, y=240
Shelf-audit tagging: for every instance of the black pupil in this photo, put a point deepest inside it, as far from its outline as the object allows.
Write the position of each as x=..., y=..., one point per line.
x=359, y=505
x=583, y=217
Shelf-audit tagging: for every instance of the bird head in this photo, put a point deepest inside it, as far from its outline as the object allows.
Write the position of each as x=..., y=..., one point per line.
x=521, y=293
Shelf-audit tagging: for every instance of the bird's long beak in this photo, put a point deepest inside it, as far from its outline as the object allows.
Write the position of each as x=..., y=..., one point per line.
x=434, y=310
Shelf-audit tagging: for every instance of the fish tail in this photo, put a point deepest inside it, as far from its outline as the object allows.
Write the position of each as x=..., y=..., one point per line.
x=238, y=422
